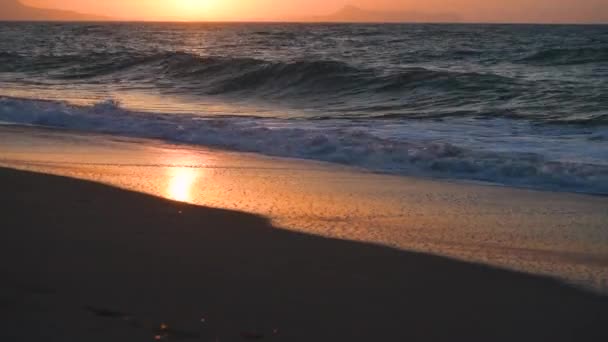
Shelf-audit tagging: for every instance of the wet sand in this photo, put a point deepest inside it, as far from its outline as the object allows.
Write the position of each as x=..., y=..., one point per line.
x=562, y=235
x=88, y=262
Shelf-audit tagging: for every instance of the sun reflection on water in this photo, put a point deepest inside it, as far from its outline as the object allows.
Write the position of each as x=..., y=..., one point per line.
x=181, y=182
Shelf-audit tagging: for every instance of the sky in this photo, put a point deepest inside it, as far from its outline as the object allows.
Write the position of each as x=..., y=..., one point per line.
x=468, y=10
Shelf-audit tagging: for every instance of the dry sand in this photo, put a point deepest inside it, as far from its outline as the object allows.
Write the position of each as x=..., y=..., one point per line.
x=87, y=262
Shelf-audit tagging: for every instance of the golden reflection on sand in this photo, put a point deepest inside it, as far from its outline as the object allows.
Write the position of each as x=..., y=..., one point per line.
x=463, y=221
x=181, y=182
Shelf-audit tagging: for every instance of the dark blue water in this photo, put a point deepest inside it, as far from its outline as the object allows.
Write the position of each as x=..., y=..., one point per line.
x=514, y=104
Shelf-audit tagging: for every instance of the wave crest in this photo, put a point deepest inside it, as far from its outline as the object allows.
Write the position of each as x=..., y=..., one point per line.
x=218, y=75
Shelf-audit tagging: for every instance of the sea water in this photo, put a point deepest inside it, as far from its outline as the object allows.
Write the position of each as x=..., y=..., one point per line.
x=518, y=105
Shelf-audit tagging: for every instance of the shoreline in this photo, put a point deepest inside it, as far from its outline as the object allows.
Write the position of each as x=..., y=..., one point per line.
x=428, y=149
x=561, y=235
x=18, y=127
x=145, y=261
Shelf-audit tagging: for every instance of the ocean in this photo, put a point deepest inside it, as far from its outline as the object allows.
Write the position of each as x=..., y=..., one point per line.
x=515, y=105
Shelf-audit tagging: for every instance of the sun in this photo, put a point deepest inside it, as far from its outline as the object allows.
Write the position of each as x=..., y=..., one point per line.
x=189, y=5
x=192, y=8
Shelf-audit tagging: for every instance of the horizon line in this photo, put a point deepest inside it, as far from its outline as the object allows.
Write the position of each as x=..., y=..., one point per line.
x=276, y=21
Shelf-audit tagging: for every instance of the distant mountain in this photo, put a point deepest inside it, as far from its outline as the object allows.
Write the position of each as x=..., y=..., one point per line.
x=355, y=14
x=15, y=10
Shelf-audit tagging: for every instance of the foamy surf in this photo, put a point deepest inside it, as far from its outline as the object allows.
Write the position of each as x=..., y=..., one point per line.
x=501, y=151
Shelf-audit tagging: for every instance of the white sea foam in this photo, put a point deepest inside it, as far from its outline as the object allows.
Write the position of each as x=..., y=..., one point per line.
x=502, y=151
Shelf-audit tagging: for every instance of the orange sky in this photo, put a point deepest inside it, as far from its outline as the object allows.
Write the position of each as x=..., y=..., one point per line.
x=469, y=10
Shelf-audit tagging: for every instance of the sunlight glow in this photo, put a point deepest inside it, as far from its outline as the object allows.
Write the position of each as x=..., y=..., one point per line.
x=196, y=9
x=191, y=8
x=200, y=10
x=181, y=182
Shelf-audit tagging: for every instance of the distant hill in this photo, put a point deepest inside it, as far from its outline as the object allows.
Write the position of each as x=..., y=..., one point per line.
x=356, y=15
x=15, y=10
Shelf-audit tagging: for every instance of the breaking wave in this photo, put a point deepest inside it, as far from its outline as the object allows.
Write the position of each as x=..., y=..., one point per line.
x=218, y=75
x=408, y=154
